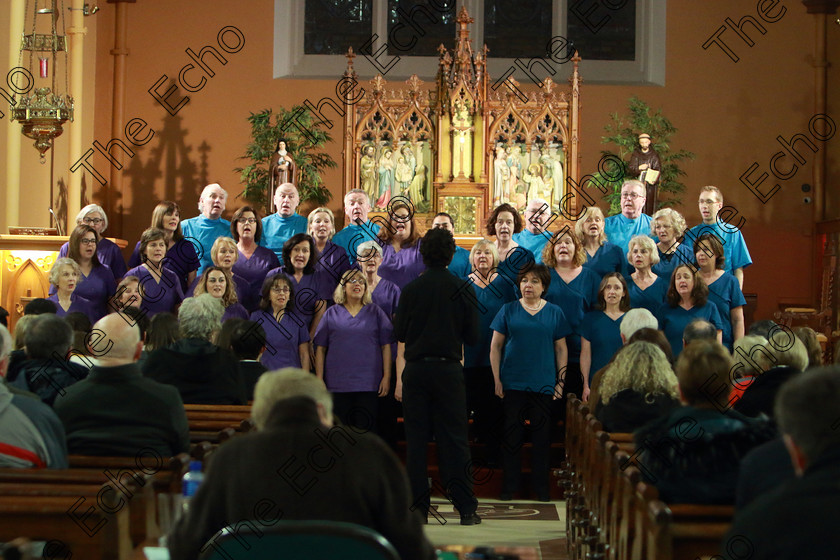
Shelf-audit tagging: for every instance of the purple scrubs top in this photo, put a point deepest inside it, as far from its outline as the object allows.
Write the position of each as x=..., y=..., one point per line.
x=401, y=267
x=161, y=297
x=306, y=294
x=387, y=296
x=239, y=283
x=331, y=264
x=253, y=271
x=97, y=288
x=281, y=339
x=77, y=304
x=235, y=311
x=108, y=254
x=181, y=259
x=354, y=347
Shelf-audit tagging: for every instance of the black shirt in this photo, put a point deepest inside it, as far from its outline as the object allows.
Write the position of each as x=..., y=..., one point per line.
x=436, y=316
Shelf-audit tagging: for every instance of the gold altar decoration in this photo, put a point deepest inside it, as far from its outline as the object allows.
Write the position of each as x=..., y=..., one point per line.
x=466, y=144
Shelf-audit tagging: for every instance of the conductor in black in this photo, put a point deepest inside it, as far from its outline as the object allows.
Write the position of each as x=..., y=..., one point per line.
x=434, y=319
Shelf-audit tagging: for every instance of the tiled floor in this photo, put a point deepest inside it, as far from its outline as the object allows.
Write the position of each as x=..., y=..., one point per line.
x=517, y=523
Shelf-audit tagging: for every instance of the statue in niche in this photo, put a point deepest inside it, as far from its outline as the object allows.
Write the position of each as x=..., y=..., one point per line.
x=386, y=178
x=645, y=164
x=281, y=169
x=501, y=177
x=515, y=165
x=404, y=171
x=416, y=192
x=462, y=130
x=536, y=183
x=367, y=170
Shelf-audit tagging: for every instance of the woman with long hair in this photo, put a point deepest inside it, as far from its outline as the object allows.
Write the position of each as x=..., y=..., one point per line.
x=687, y=299
x=286, y=335
x=181, y=257
x=254, y=261
x=401, y=259
x=96, y=282
x=600, y=337
x=218, y=283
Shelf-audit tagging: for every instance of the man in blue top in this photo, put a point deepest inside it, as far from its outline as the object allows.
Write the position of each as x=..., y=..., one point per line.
x=734, y=247
x=460, y=265
x=285, y=222
x=621, y=228
x=356, y=208
x=202, y=231
x=534, y=236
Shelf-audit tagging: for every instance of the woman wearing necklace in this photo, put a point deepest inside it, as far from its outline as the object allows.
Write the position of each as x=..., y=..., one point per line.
x=353, y=352
x=503, y=222
x=286, y=335
x=645, y=288
x=668, y=226
x=601, y=255
x=532, y=332
x=331, y=261
x=600, y=338
x=724, y=289
x=253, y=262
x=161, y=286
x=96, y=282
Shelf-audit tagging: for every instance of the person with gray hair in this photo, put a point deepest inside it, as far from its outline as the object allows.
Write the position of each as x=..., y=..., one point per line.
x=634, y=320
x=116, y=411
x=632, y=221
x=107, y=251
x=47, y=371
x=202, y=372
x=30, y=433
x=799, y=519
x=699, y=329
x=359, y=481
x=203, y=230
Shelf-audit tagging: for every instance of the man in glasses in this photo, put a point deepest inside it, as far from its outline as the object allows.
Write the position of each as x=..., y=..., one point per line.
x=534, y=237
x=632, y=221
x=285, y=222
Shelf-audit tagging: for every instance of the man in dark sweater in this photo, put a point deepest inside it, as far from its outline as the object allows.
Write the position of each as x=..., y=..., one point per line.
x=117, y=411
x=434, y=320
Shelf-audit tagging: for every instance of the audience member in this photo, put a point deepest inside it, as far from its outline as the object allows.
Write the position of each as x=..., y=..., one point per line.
x=359, y=229
x=107, y=251
x=293, y=413
x=247, y=341
x=534, y=235
x=692, y=454
x=601, y=256
x=798, y=520
x=203, y=230
x=763, y=327
x=699, y=329
x=654, y=336
x=116, y=411
x=39, y=306
x=202, y=372
x=621, y=228
x=31, y=435
x=285, y=222
x=254, y=261
x=808, y=336
x=668, y=226
x=163, y=331
x=687, y=299
x=637, y=386
x=646, y=289
x=4, y=317
x=460, y=265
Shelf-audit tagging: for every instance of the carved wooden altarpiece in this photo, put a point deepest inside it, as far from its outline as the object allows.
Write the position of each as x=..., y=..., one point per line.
x=459, y=145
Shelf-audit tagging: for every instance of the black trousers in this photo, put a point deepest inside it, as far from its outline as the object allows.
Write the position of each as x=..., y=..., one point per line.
x=486, y=408
x=389, y=411
x=536, y=407
x=358, y=409
x=434, y=402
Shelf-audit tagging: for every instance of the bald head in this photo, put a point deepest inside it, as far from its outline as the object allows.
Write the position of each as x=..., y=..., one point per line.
x=115, y=340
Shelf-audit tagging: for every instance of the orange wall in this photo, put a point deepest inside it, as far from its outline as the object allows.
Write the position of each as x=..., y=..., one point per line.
x=728, y=113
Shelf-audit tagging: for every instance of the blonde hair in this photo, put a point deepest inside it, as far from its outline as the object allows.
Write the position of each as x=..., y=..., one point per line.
x=713, y=189
x=340, y=297
x=482, y=243
x=229, y=297
x=55, y=271
x=787, y=349
x=641, y=367
x=579, y=225
x=219, y=243
x=275, y=386
x=753, y=352
x=672, y=218
x=646, y=243
x=320, y=210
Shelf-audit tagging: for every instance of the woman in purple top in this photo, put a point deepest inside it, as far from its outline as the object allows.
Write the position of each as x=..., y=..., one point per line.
x=161, y=287
x=286, y=335
x=96, y=281
x=224, y=255
x=129, y=294
x=181, y=257
x=384, y=293
x=64, y=275
x=299, y=266
x=401, y=259
x=254, y=261
x=332, y=260
x=219, y=284
x=106, y=250
x=353, y=352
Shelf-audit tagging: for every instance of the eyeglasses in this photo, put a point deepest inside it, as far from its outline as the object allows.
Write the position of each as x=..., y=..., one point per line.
x=87, y=241
x=94, y=221
x=355, y=281
x=247, y=220
x=631, y=196
x=280, y=289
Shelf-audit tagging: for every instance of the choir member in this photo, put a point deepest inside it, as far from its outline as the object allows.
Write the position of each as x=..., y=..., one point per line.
x=181, y=257
x=161, y=287
x=96, y=281
x=353, y=351
x=600, y=337
x=224, y=255
x=401, y=259
x=724, y=289
x=668, y=226
x=129, y=294
x=332, y=260
x=645, y=288
x=531, y=334
x=286, y=333
x=285, y=222
x=64, y=275
x=687, y=299
x=299, y=266
x=460, y=265
x=601, y=255
x=203, y=230
x=534, y=235
x=632, y=221
x=107, y=251
x=360, y=229
x=218, y=283
x=253, y=261
x=503, y=222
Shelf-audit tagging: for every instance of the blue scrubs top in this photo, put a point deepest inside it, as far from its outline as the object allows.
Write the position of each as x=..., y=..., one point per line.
x=277, y=229
x=603, y=336
x=354, y=235
x=734, y=246
x=621, y=229
x=667, y=263
x=674, y=320
x=515, y=261
x=725, y=293
x=202, y=233
x=608, y=258
x=651, y=298
x=528, y=359
x=460, y=265
x=534, y=242
x=575, y=299
x=487, y=301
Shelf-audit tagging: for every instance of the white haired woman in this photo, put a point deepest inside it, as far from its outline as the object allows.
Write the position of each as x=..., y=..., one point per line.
x=646, y=289
x=64, y=275
x=353, y=352
x=108, y=252
x=669, y=226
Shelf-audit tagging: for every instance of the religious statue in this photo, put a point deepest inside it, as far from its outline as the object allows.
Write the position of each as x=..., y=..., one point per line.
x=403, y=174
x=462, y=130
x=367, y=170
x=280, y=170
x=501, y=176
x=386, y=178
x=536, y=183
x=515, y=166
x=418, y=184
x=645, y=164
